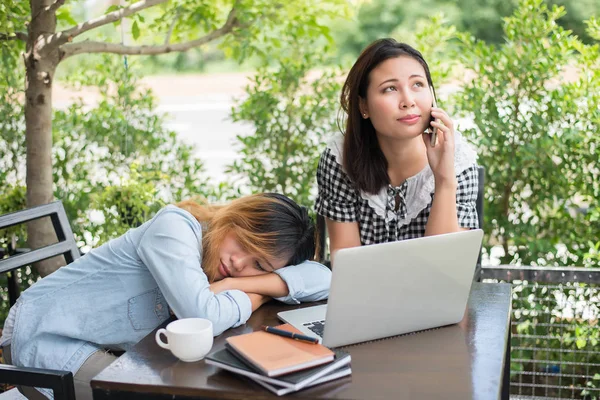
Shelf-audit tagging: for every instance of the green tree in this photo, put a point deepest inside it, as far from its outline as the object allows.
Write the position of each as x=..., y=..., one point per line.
x=534, y=104
x=129, y=202
x=244, y=27
x=433, y=37
x=113, y=160
x=293, y=113
x=295, y=109
x=376, y=19
x=483, y=18
x=578, y=11
x=94, y=149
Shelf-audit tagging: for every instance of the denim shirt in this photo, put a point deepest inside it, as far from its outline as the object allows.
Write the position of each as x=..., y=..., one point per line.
x=118, y=293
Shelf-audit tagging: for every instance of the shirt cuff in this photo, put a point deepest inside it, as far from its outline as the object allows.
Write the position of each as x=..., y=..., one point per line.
x=308, y=281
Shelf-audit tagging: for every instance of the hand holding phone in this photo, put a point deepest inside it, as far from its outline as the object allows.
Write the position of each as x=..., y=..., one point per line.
x=433, y=129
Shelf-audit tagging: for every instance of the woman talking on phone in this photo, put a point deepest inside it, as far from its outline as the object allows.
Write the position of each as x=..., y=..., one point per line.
x=189, y=260
x=388, y=177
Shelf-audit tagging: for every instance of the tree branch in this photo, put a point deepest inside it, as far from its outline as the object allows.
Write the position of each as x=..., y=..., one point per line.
x=5, y=37
x=170, y=33
x=54, y=6
x=72, y=49
x=67, y=35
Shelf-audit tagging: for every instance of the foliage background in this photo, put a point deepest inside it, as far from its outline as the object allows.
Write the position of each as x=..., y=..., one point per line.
x=536, y=133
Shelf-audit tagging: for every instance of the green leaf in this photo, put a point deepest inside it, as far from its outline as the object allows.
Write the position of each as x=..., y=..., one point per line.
x=532, y=136
x=64, y=14
x=135, y=30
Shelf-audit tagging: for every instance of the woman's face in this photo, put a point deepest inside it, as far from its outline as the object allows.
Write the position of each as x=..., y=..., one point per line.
x=235, y=261
x=399, y=100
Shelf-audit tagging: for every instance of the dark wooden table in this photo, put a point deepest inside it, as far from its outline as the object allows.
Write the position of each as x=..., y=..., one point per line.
x=468, y=360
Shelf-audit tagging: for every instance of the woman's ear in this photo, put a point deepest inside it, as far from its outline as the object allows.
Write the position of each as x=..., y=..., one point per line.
x=362, y=106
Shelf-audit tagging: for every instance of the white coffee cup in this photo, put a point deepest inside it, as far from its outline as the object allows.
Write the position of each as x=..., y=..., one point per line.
x=189, y=339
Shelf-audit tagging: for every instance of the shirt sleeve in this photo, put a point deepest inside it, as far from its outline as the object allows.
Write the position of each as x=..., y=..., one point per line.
x=171, y=249
x=336, y=198
x=308, y=281
x=466, y=198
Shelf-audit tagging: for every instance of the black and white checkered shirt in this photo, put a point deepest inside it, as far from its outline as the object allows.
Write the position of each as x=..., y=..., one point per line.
x=378, y=219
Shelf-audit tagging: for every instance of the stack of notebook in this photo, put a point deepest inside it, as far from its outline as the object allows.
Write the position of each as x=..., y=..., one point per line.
x=280, y=364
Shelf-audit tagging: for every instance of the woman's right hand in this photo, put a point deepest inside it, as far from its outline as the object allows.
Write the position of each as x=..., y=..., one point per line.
x=441, y=156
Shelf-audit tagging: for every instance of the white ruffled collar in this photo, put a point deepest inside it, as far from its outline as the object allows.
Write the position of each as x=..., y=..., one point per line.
x=419, y=186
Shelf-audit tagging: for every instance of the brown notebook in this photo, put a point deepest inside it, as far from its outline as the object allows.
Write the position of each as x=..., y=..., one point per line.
x=275, y=355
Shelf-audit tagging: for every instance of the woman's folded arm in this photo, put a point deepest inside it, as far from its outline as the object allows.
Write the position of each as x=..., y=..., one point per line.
x=308, y=281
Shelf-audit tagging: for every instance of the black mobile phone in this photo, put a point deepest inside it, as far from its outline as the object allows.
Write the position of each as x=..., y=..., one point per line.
x=432, y=129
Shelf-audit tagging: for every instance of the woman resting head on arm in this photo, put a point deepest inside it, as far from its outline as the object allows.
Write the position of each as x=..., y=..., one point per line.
x=384, y=179
x=219, y=263
x=252, y=237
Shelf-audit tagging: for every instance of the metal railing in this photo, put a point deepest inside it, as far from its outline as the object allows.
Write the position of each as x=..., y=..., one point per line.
x=555, y=345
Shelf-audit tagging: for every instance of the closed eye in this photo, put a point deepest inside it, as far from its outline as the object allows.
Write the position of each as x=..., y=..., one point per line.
x=259, y=267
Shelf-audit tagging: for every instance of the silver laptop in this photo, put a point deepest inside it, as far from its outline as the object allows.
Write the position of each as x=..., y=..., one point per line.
x=393, y=288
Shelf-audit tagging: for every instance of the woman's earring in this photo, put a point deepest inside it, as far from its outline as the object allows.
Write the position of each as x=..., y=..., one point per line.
x=365, y=115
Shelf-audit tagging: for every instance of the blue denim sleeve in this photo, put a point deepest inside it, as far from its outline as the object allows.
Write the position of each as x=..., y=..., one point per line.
x=308, y=281
x=171, y=249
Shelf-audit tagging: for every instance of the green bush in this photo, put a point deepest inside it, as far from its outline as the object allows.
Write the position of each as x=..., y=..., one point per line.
x=534, y=103
x=555, y=334
x=95, y=149
x=93, y=152
x=122, y=206
x=293, y=115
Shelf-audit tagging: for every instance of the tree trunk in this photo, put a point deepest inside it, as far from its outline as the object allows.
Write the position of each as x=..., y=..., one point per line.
x=40, y=68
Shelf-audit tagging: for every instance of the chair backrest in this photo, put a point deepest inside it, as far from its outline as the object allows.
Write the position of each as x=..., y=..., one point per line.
x=323, y=251
x=65, y=246
x=61, y=382
x=479, y=207
x=479, y=201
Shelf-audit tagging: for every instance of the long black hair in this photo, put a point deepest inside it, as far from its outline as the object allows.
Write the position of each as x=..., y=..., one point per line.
x=364, y=161
x=295, y=230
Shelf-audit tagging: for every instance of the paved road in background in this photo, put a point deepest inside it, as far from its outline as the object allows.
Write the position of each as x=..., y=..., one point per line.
x=198, y=108
x=204, y=121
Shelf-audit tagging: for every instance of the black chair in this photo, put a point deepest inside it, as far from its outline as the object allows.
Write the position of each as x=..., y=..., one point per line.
x=479, y=207
x=61, y=382
x=323, y=251
x=322, y=254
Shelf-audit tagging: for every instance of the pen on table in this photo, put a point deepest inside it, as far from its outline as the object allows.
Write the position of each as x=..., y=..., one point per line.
x=291, y=335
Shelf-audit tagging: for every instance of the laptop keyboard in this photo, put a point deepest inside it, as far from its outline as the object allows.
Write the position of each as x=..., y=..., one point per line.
x=316, y=326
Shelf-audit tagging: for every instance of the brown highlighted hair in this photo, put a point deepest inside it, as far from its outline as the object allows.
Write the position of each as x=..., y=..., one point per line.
x=269, y=225
x=363, y=159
